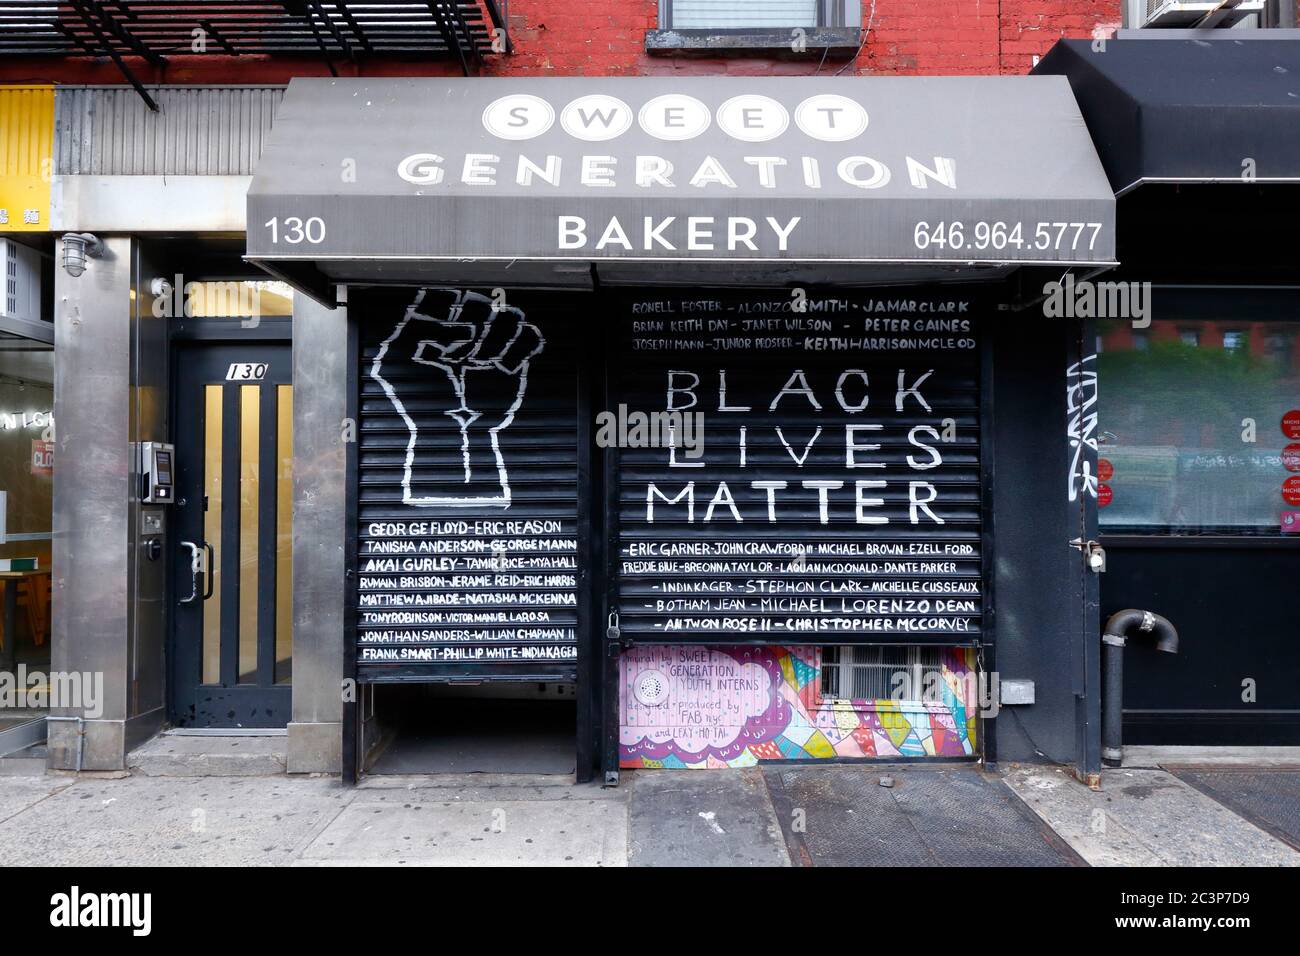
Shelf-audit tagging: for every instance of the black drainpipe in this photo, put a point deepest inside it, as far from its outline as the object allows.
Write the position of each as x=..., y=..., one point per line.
x=1113, y=639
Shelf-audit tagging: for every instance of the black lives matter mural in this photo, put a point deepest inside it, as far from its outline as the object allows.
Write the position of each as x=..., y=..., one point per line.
x=467, y=497
x=835, y=496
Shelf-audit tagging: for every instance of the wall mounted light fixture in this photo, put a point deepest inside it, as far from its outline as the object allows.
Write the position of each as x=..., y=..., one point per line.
x=77, y=247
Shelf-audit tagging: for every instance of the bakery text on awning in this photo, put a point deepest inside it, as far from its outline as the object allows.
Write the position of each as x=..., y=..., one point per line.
x=369, y=178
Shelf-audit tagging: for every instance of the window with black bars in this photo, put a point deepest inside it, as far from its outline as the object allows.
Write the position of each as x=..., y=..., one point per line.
x=880, y=673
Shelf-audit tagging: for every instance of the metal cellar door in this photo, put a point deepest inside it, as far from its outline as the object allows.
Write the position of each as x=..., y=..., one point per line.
x=231, y=650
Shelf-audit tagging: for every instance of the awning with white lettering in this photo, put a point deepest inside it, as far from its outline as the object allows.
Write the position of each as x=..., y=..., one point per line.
x=676, y=180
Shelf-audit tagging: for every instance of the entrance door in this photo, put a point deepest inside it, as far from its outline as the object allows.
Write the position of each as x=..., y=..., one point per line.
x=231, y=537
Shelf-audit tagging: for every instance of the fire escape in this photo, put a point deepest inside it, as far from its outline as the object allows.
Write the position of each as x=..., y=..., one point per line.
x=462, y=31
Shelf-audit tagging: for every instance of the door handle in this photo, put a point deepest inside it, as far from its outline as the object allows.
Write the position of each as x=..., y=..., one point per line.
x=209, y=577
x=196, y=566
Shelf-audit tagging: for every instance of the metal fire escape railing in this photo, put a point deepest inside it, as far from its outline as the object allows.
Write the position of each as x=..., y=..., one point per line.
x=154, y=30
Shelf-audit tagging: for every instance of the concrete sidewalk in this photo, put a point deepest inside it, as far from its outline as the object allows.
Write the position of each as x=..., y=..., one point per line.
x=1145, y=817
x=478, y=820
x=691, y=818
x=469, y=820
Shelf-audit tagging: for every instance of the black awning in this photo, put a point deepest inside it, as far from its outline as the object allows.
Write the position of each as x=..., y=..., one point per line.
x=1187, y=109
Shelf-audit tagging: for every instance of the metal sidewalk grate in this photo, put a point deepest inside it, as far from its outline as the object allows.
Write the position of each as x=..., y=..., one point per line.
x=1270, y=799
x=932, y=816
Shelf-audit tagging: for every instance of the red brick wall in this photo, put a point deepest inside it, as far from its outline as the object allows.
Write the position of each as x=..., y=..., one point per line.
x=607, y=37
x=1030, y=27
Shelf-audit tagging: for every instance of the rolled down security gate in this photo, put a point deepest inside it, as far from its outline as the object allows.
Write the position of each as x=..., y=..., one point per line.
x=467, y=506
x=825, y=485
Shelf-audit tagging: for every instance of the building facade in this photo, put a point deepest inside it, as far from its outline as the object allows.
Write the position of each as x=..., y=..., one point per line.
x=578, y=387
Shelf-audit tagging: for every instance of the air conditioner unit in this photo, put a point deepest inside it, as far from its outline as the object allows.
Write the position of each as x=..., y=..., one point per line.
x=1199, y=13
x=21, y=297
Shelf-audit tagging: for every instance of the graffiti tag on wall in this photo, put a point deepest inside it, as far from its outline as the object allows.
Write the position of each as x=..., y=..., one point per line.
x=1081, y=426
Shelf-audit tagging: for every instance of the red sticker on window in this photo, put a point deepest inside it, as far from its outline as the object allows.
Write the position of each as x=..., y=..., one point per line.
x=1291, y=457
x=1290, y=522
x=1291, y=490
x=1105, y=470
x=1104, y=496
x=1291, y=423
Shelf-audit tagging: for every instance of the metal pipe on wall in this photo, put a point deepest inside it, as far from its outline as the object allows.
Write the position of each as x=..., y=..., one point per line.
x=1113, y=640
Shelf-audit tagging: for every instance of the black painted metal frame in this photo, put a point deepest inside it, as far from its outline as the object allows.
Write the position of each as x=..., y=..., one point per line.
x=1088, y=666
x=588, y=690
x=986, y=651
x=352, y=753
x=610, y=644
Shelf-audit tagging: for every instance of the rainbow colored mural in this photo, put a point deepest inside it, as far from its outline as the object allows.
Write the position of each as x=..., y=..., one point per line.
x=685, y=706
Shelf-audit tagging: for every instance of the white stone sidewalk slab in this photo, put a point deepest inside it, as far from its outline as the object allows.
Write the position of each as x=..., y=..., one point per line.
x=1145, y=818
x=429, y=829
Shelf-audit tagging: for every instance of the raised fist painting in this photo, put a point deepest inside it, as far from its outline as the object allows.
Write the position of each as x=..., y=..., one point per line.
x=477, y=356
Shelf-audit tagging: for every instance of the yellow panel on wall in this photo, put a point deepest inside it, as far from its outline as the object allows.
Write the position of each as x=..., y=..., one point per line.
x=26, y=157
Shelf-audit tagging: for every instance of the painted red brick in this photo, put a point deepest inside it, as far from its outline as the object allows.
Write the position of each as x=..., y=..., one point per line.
x=607, y=37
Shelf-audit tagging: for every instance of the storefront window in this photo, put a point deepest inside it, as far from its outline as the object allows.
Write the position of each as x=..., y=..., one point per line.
x=26, y=495
x=1200, y=428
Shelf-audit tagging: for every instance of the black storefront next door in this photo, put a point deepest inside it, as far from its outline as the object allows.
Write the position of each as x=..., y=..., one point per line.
x=231, y=645
x=1199, y=502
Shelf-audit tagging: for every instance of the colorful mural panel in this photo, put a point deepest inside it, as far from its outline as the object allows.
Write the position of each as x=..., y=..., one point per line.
x=685, y=706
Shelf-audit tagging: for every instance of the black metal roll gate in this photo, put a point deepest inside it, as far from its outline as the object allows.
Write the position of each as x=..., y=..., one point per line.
x=825, y=487
x=466, y=494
